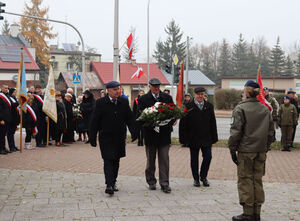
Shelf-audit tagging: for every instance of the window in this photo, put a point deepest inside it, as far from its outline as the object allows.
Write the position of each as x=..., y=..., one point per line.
x=69, y=66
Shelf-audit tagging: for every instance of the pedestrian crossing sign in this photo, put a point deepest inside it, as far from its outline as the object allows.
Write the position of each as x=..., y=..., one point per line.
x=76, y=79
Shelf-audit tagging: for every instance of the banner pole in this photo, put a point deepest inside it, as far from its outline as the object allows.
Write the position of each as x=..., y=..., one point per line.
x=48, y=132
x=21, y=126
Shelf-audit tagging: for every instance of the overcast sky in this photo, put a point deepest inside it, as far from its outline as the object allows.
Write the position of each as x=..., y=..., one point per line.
x=205, y=21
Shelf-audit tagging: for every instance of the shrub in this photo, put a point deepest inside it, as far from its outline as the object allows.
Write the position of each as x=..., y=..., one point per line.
x=227, y=98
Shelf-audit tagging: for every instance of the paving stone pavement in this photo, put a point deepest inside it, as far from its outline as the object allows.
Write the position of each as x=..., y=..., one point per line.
x=29, y=195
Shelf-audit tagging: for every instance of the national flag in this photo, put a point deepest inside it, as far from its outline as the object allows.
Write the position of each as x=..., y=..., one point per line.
x=130, y=43
x=49, y=105
x=179, y=96
x=261, y=96
x=138, y=73
x=21, y=84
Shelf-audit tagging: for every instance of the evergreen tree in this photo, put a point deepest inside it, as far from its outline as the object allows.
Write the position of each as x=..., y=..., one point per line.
x=298, y=65
x=277, y=59
x=289, y=67
x=37, y=32
x=125, y=53
x=252, y=64
x=239, y=57
x=224, y=61
x=5, y=28
x=165, y=51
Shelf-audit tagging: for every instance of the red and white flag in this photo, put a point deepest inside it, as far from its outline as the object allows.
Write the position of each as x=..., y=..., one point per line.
x=130, y=43
x=138, y=73
x=261, y=96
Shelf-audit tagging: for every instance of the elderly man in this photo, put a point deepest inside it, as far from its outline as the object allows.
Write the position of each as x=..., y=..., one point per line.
x=70, y=91
x=157, y=142
x=110, y=117
x=251, y=133
x=198, y=130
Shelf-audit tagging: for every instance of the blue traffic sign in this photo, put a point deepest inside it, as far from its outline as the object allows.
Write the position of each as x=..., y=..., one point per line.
x=76, y=79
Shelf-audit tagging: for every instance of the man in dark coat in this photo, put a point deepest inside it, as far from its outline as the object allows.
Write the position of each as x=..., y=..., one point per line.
x=110, y=116
x=12, y=127
x=198, y=129
x=157, y=142
x=5, y=117
x=61, y=124
x=69, y=132
x=86, y=108
x=41, y=137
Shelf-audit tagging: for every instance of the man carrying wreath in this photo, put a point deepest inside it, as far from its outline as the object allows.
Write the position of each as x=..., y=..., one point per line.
x=157, y=141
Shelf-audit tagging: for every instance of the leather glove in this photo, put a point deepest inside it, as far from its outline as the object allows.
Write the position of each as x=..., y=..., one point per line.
x=93, y=143
x=234, y=157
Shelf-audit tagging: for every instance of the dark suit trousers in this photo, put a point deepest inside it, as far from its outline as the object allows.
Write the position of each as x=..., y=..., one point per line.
x=163, y=163
x=42, y=132
x=11, y=129
x=3, y=131
x=206, y=155
x=111, y=169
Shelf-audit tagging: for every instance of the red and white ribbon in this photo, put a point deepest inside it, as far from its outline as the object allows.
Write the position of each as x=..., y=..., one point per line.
x=7, y=101
x=32, y=113
x=39, y=98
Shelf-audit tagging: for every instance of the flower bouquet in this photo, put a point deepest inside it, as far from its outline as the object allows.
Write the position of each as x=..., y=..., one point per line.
x=160, y=115
x=76, y=111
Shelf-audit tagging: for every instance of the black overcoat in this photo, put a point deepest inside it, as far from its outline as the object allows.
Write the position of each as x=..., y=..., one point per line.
x=110, y=121
x=5, y=111
x=14, y=111
x=198, y=127
x=162, y=138
x=86, y=108
x=61, y=116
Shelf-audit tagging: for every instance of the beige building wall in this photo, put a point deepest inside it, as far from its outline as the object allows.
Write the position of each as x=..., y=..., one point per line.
x=278, y=84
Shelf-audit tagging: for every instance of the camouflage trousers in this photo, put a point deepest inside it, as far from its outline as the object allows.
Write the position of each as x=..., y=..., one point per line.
x=251, y=169
x=286, y=136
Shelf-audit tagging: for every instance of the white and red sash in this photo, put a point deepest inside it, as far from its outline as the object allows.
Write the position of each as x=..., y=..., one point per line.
x=7, y=101
x=32, y=113
x=14, y=101
x=39, y=98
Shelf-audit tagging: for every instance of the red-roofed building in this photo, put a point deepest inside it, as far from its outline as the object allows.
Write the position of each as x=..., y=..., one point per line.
x=10, y=54
x=131, y=87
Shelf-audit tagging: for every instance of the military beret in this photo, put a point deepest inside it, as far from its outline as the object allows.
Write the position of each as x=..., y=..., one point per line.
x=154, y=81
x=291, y=92
x=199, y=89
x=251, y=83
x=287, y=97
x=112, y=84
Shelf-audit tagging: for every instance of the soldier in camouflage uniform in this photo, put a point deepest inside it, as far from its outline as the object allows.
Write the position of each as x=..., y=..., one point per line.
x=251, y=132
x=273, y=102
x=287, y=121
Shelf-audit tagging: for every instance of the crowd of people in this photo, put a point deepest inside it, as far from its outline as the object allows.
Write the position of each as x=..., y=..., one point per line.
x=251, y=133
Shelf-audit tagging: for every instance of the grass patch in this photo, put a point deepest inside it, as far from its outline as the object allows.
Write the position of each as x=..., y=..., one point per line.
x=221, y=143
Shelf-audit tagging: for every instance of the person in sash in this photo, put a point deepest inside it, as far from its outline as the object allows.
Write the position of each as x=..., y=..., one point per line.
x=30, y=121
x=41, y=137
x=12, y=126
x=5, y=117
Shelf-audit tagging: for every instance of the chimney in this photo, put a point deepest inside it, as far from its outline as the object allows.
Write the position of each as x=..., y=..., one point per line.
x=14, y=30
x=133, y=62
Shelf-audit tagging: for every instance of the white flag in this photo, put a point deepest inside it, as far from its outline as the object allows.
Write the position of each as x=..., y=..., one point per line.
x=49, y=106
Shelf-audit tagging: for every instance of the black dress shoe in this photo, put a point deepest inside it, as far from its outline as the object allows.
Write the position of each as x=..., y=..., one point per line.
x=205, y=182
x=196, y=183
x=86, y=142
x=12, y=149
x=152, y=187
x=8, y=151
x=41, y=145
x=243, y=217
x=115, y=188
x=3, y=152
x=109, y=190
x=166, y=189
x=257, y=217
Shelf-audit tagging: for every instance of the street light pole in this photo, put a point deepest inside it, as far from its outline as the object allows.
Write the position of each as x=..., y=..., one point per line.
x=116, y=41
x=148, y=50
x=187, y=65
x=66, y=23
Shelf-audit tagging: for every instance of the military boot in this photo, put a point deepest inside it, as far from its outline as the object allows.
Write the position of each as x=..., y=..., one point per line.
x=243, y=217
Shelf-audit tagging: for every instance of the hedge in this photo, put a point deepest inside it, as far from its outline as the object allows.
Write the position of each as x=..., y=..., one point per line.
x=227, y=98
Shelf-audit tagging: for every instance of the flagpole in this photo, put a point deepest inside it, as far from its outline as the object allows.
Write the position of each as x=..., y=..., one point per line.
x=122, y=45
x=21, y=126
x=116, y=41
x=48, y=132
x=148, y=65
